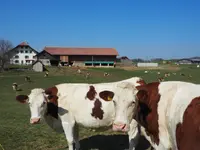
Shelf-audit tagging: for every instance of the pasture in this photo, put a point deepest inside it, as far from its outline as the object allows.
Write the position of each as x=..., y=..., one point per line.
x=16, y=133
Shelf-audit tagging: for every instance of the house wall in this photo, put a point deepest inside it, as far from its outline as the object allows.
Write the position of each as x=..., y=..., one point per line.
x=38, y=67
x=46, y=62
x=22, y=56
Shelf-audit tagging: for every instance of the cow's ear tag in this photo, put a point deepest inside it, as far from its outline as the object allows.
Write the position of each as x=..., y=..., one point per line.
x=109, y=98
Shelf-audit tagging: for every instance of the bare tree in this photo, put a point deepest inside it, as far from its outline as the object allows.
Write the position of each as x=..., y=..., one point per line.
x=5, y=46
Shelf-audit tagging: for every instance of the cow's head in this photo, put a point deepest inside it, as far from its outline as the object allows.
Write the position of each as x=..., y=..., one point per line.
x=124, y=103
x=146, y=112
x=41, y=102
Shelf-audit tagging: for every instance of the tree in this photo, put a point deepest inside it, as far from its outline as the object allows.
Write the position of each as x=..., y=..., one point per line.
x=5, y=46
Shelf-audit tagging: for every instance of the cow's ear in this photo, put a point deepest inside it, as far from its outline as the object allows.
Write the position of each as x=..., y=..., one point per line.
x=22, y=98
x=142, y=95
x=106, y=95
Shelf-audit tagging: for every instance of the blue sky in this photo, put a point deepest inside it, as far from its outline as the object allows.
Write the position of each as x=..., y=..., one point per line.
x=136, y=28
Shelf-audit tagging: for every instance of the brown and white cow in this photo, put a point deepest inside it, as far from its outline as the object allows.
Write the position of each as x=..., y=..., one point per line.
x=169, y=112
x=65, y=106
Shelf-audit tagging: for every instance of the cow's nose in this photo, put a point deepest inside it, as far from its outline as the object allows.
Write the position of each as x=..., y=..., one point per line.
x=35, y=120
x=120, y=127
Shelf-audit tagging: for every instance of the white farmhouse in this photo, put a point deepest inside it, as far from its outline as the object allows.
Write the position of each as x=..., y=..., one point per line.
x=22, y=54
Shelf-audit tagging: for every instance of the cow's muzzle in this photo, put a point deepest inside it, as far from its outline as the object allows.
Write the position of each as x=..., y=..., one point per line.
x=34, y=120
x=120, y=127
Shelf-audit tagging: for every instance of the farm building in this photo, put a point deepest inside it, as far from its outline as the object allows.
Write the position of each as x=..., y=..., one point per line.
x=47, y=59
x=84, y=56
x=38, y=66
x=125, y=61
x=22, y=54
x=189, y=61
x=184, y=61
x=147, y=64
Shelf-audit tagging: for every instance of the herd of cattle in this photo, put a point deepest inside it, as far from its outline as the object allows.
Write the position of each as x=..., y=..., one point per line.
x=167, y=113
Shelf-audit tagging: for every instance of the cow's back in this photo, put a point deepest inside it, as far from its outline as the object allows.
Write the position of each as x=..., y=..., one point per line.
x=87, y=112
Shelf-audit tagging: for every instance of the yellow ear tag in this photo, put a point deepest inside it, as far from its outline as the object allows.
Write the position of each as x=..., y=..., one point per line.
x=109, y=98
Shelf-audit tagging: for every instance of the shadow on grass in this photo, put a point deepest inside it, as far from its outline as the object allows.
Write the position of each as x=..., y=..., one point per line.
x=111, y=142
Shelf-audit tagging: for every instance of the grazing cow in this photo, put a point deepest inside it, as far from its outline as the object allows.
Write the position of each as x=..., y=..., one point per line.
x=65, y=106
x=46, y=74
x=79, y=71
x=15, y=86
x=106, y=74
x=27, y=78
x=174, y=73
x=169, y=112
x=160, y=79
x=182, y=74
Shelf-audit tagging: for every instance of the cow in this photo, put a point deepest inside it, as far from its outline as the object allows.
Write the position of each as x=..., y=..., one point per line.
x=65, y=106
x=169, y=113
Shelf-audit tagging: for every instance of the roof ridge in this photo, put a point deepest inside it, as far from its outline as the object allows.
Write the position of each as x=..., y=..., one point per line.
x=77, y=47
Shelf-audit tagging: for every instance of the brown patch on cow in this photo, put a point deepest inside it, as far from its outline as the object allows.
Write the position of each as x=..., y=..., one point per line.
x=106, y=95
x=147, y=114
x=22, y=98
x=97, y=112
x=52, y=95
x=141, y=82
x=188, y=132
x=52, y=105
x=91, y=93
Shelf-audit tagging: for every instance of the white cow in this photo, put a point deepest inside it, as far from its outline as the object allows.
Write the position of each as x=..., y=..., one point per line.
x=170, y=113
x=65, y=106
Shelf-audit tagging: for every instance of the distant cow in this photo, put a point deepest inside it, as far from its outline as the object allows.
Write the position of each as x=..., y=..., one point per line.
x=160, y=79
x=106, y=74
x=65, y=106
x=46, y=74
x=170, y=113
x=27, y=78
x=15, y=86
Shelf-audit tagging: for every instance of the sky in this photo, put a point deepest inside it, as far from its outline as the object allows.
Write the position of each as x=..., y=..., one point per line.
x=136, y=28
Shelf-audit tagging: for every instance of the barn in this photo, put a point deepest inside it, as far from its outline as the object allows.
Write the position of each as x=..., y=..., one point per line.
x=47, y=59
x=38, y=66
x=102, y=57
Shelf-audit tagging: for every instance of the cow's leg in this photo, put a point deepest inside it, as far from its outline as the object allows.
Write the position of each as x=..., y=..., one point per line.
x=76, y=136
x=68, y=124
x=133, y=134
x=68, y=129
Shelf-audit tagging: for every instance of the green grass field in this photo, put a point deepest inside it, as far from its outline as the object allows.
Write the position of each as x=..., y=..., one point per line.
x=17, y=134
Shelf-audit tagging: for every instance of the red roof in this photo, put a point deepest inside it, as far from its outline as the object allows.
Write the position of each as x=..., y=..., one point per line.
x=23, y=44
x=81, y=51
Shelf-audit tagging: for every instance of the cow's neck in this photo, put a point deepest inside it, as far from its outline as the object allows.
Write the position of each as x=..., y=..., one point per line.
x=54, y=123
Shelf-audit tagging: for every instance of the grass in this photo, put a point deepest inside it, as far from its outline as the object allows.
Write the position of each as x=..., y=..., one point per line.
x=17, y=134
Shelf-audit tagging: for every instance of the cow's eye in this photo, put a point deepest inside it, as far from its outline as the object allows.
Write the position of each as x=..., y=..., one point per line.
x=43, y=104
x=131, y=104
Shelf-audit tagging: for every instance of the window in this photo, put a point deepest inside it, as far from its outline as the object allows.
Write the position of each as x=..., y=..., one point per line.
x=26, y=57
x=26, y=51
x=27, y=61
x=21, y=47
x=16, y=61
x=16, y=56
x=26, y=47
x=21, y=51
x=30, y=51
